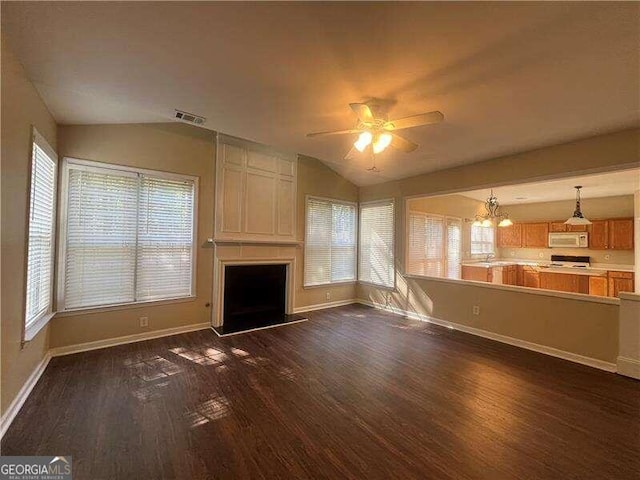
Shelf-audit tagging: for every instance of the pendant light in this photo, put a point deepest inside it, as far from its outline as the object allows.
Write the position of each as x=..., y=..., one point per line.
x=577, y=218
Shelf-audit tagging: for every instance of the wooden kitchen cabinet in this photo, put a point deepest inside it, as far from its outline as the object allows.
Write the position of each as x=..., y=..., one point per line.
x=599, y=234
x=560, y=226
x=621, y=234
x=510, y=236
x=598, y=286
x=564, y=282
x=520, y=275
x=535, y=235
x=530, y=277
x=557, y=227
x=509, y=275
x=620, y=282
x=479, y=274
x=611, y=234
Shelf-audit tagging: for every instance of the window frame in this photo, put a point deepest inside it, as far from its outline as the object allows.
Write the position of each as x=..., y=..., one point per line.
x=471, y=242
x=356, y=210
x=384, y=201
x=91, y=165
x=445, y=244
x=37, y=324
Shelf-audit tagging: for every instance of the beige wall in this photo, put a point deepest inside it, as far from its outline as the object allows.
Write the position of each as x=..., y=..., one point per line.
x=583, y=328
x=514, y=313
x=169, y=147
x=21, y=108
x=458, y=206
x=593, y=154
x=593, y=208
x=316, y=179
x=629, y=338
x=188, y=150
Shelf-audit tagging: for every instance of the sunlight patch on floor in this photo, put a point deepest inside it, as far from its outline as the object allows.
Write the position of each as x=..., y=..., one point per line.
x=152, y=368
x=209, y=411
x=201, y=356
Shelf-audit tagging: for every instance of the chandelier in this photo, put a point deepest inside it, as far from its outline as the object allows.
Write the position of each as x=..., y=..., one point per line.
x=493, y=214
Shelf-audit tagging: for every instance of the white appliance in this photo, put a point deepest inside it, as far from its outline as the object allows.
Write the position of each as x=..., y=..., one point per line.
x=569, y=239
x=570, y=261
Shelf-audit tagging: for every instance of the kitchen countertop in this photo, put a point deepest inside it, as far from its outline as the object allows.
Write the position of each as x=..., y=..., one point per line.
x=596, y=269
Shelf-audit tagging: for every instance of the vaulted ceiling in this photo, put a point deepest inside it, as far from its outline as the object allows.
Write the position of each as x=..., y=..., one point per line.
x=508, y=76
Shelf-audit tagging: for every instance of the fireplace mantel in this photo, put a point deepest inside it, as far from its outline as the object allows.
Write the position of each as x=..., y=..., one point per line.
x=249, y=252
x=240, y=241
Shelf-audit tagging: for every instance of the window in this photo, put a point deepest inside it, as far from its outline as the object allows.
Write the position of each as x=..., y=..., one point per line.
x=376, y=258
x=41, y=235
x=330, y=242
x=129, y=235
x=482, y=240
x=454, y=248
x=434, y=245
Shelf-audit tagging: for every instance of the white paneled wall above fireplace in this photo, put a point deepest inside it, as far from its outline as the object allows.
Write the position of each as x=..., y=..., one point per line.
x=255, y=193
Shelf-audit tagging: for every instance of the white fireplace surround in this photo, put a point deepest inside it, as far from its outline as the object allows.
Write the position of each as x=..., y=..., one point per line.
x=250, y=254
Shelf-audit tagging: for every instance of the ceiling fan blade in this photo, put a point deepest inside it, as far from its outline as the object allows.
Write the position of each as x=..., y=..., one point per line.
x=415, y=121
x=351, y=154
x=363, y=111
x=402, y=144
x=332, y=132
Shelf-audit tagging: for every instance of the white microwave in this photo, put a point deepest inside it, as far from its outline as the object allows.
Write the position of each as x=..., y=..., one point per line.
x=569, y=239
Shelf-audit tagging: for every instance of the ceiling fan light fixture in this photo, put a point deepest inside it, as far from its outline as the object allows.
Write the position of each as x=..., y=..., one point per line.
x=364, y=139
x=381, y=142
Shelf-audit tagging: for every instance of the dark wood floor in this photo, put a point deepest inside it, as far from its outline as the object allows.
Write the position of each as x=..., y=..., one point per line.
x=352, y=393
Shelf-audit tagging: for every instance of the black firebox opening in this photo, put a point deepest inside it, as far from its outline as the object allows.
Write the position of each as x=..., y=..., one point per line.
x=254, y=297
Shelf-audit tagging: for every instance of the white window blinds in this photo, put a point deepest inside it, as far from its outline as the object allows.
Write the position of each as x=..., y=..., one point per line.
x=330, y=242
x=165, y=238
x=376, y=256
x=129, y=237
x=435, y=245
x=40, y=244
x=454, y=248
x=482, y=240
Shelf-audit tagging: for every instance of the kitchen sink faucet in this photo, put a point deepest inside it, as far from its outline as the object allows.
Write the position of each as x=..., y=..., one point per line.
x=490, y=256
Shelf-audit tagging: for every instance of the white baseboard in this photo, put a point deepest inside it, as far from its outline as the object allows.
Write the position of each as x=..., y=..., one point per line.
x=322, y=306
x=258, y=328
x=554, y=352
x=22, y=395
x=629, y=367
x=138, y=337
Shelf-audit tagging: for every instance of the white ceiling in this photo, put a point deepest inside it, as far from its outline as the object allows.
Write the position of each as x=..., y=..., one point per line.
x=610, y=184
x=508, y=76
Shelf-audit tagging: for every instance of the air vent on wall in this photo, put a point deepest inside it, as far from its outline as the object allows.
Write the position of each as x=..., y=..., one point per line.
x=190, y=118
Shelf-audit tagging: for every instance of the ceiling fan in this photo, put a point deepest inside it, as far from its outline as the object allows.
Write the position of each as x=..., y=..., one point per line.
x=377, y=132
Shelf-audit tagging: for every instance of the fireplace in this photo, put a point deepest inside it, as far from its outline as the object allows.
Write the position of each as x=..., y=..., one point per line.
x=252, y=292
x=254, y=296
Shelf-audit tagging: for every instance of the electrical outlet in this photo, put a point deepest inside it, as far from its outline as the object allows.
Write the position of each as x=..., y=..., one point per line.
x=476, y=309
x=513, y=254
x=144, y=321
x=541, y=255
x=328, y=295
x=607, y=257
